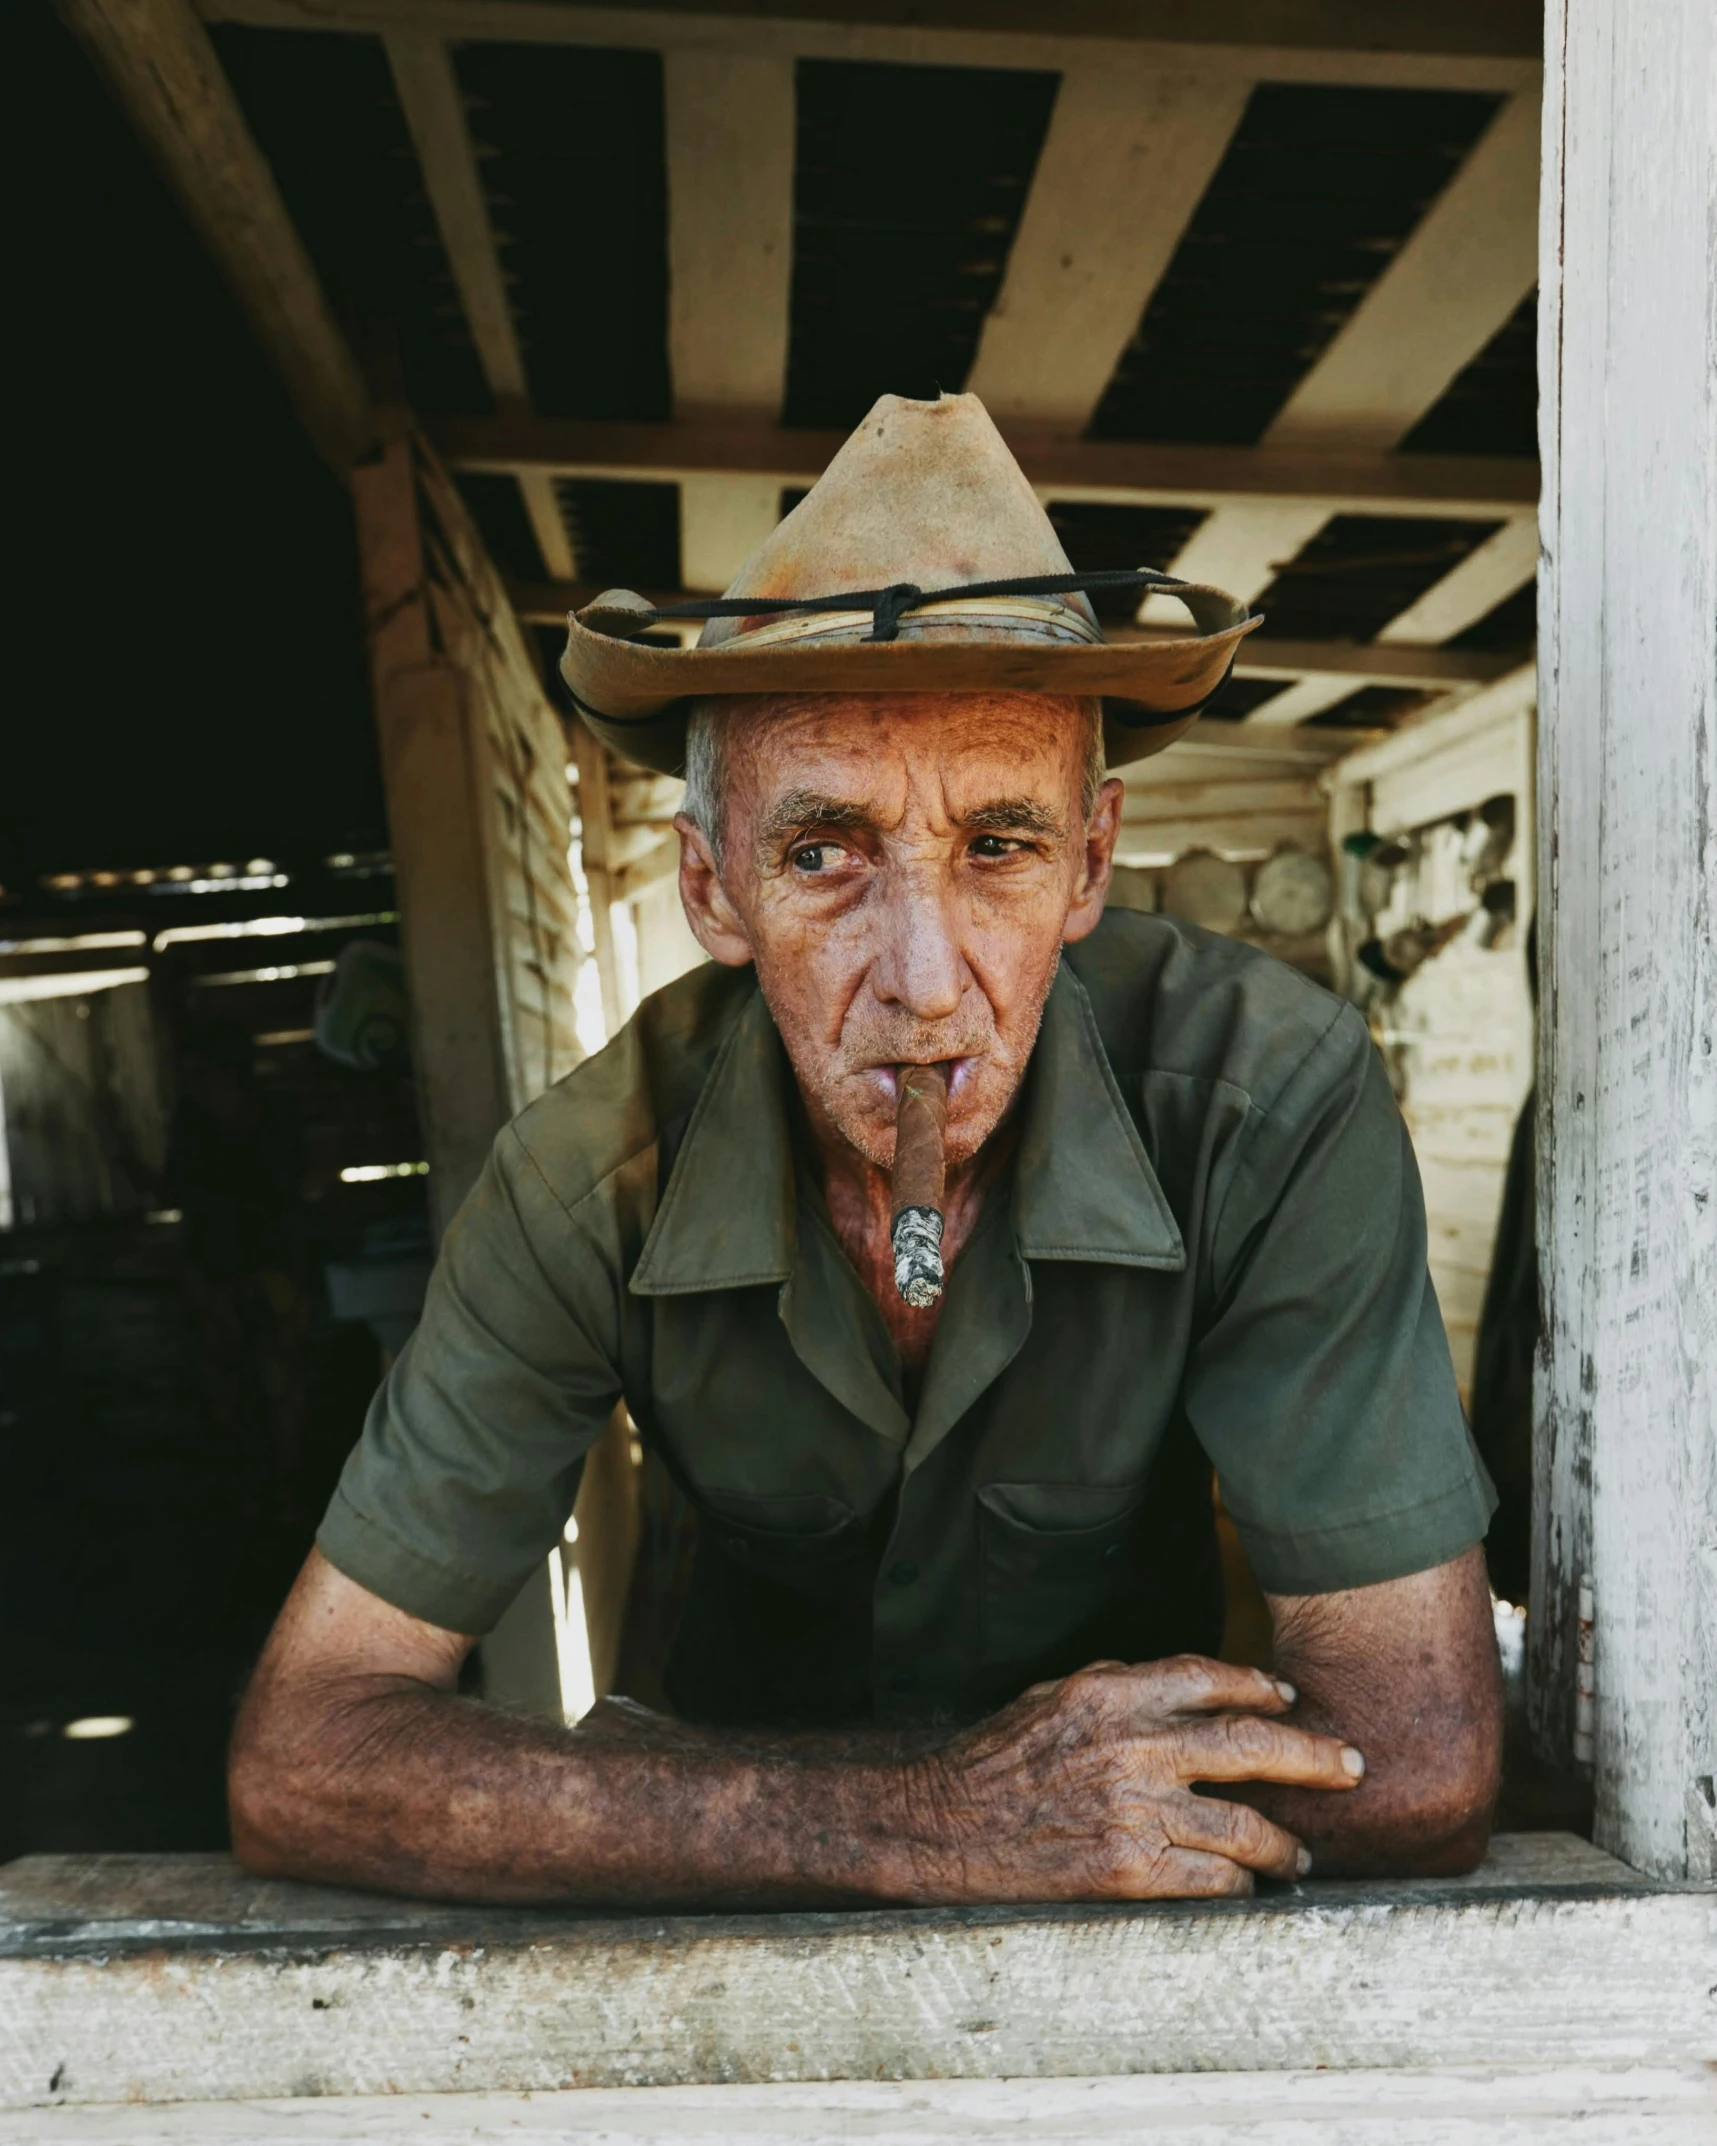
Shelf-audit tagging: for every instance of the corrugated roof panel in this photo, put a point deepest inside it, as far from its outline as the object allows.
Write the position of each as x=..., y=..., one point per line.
x=1360, y=571
x=1491, y=406
x=1312, y=201
x=569, y=141
x=907, y=193
x=322, y=108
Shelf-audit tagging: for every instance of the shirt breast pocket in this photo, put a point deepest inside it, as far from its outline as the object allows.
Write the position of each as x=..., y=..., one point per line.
x=810, y=1544
x=1055, y=1559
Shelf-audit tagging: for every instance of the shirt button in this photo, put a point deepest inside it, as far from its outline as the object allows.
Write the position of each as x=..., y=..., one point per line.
x=903, y=1573
x=902, y=1680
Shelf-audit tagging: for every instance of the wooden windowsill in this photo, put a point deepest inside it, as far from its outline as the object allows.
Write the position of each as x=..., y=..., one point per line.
x=178, y=1978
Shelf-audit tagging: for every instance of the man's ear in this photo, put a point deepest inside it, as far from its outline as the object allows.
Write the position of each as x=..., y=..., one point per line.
x=715, y=923
x=1102, y=832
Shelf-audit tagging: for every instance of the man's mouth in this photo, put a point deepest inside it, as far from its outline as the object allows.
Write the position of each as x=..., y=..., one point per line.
x=961, y=1073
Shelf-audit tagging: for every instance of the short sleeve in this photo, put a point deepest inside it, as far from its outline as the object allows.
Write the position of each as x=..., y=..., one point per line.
x=471, y=1454
x=1322, y=1388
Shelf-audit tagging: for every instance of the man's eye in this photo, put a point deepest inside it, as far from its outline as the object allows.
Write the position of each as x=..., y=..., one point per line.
x=993, y=846
x=814, y=857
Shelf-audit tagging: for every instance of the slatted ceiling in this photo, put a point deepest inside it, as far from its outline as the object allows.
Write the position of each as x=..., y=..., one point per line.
x=1360, y=571
x=1318, y=190
x=907, y=194
x=1491, y=406
x=1513, y=624
x=569, y=142
x=323, y=109
x=1372, y=708
x=623, y=535
x=499, y=512
x=1095, y=535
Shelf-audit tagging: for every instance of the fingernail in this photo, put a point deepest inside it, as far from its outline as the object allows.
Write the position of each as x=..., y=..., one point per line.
x=1352, y=1761
x=1303, y=1862
x=1289, y=1695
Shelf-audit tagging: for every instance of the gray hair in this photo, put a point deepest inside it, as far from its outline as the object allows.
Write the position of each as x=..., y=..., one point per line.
x=707, y=726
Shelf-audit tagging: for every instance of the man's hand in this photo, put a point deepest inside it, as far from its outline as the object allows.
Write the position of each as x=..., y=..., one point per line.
x=1086, y=1789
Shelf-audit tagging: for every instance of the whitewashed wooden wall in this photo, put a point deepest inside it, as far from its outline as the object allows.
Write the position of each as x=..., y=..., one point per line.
x=1459, y=1033
x=520, y=763
x=1626, y=1445
x=480, y=821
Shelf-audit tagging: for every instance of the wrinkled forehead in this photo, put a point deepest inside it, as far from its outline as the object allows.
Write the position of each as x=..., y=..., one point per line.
x=886, y=742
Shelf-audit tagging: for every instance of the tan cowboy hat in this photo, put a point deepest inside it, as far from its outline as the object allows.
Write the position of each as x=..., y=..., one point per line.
x=920, y=561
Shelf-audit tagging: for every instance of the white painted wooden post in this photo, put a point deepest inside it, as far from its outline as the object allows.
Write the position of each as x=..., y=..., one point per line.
x=1627, y=1455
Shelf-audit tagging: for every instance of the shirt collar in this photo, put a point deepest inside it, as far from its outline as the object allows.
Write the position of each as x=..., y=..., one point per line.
x=1084, y=1188
x=727, y=1216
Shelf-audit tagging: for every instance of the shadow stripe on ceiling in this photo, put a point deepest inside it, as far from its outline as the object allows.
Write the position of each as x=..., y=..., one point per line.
x=322, y=108
x=908, y=187
x=569, y=141
x=1318, y=190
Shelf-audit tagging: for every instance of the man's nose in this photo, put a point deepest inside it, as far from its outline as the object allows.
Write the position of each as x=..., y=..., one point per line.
x=921, y=968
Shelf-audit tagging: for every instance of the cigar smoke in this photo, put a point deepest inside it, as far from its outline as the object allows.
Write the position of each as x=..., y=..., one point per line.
x=920, y=1173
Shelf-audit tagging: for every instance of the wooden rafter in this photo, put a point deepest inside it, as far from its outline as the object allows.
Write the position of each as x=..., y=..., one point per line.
x=730, y=148
x=1485, y=578
x=1453, y=285
x=1129, y=153
x=156, y=58
x=1432, y=44
x=1125, y=472
x=1353, y=663
x=435, y=115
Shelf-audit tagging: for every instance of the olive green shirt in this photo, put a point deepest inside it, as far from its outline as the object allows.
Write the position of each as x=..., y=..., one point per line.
x=1209, y=1247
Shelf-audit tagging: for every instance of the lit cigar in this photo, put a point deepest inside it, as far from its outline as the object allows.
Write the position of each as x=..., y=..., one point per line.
x=920, y=1171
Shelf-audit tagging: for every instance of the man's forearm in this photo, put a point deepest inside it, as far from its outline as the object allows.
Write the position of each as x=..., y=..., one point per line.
x=1421, y=1697
x=392, y=1784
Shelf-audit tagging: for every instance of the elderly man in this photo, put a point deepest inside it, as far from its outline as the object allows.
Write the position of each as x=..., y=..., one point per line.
x=951, y=1628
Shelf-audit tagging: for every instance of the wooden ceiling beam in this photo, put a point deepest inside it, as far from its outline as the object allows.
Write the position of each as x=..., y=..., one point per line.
x=1353, y=663
x=1124, y=472
x=1422, y=44
x=1129, y=153
x=434, y=109
x=729, y=125
x=156, y=59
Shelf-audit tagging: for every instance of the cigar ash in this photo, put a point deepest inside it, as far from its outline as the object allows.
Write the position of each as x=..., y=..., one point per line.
x=920, y=1176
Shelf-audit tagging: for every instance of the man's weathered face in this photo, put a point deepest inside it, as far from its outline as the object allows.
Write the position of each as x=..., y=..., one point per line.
x=903, y=870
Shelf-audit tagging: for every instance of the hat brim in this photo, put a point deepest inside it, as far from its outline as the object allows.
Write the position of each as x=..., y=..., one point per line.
x=636, y=696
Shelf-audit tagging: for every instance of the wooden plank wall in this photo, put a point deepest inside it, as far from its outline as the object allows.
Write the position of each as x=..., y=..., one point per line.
x=519, y=762
x=480, y=819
